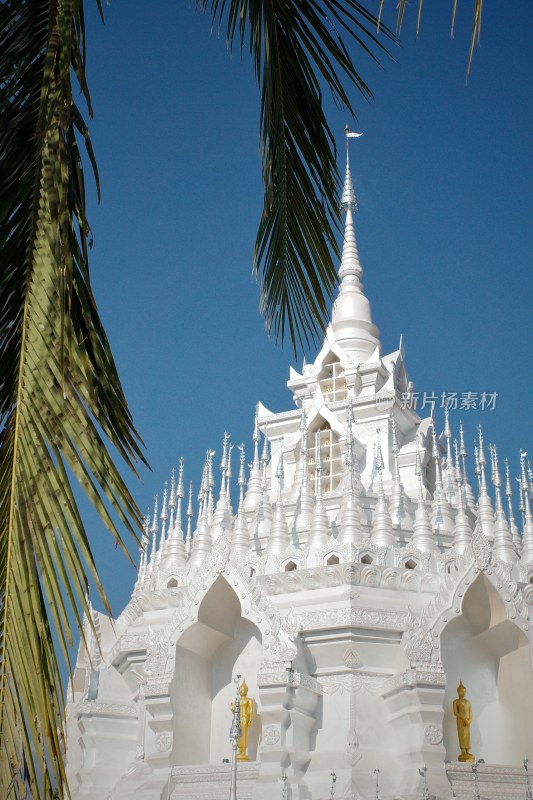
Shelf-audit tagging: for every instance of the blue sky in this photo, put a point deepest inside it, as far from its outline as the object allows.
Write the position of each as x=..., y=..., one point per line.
x=443, y=174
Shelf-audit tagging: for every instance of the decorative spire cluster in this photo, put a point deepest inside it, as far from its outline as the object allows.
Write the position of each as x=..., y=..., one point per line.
x=411, y=501
x=276, y=517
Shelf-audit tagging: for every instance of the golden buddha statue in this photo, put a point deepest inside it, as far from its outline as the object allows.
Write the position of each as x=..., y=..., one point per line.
x=463, y=715
x=247, y=714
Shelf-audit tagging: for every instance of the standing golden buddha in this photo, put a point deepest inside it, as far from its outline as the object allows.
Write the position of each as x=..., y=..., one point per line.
x=463, y=715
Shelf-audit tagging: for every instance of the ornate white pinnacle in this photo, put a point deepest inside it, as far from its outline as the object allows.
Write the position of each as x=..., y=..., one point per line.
x=172, y=495
x=527, y=532
x=229, y=473
x=253, y=493
x=224, y=459
x=418, y=473
x=280, y=476
x=145, y=540
x=395, y=448
x=348, y=198
x=495, y=472
x=179, y=497
x=190, y=513
x=351, y=318
x=524, y=485
x=264, y=454
x=379, y=462
x=240, y=538
x=241, y=482
x=450, y=472
x=318, y=464
x=304, y=448
x=164, y=512
x=436, y=456
x=458, y=474
x=481, y=458
x=153, y=531
x=422, y=538
x=503, y=545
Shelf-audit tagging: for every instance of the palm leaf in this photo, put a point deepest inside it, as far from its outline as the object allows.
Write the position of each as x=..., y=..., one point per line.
x=59, y=389
x=476, y=23
x=299, y=47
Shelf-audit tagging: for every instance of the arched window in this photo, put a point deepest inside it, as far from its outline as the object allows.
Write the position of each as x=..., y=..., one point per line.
x=290, y=566
x=172, y=583
x=332, y=559
x=367, y=559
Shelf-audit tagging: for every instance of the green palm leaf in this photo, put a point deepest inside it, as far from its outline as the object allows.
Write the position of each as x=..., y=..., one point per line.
x=299, y=47
x=59, y=387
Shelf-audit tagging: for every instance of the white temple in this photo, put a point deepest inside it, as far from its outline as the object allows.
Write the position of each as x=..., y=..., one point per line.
x=360, y=578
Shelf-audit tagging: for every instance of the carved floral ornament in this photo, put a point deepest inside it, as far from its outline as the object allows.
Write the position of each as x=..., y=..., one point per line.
x=271, y=735
x=163, y=741
x=433, y=734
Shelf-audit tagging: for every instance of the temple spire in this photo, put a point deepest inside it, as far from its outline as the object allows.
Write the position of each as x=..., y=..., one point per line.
x=202, y=541
x=422, y=538
x=503, y=544
x=463, y=531
x=153, y=531
x=240, y=540
x=190, y=513
x=175, y=551
x=351, y=319
x=172, y=500
x=253, y=492
x=164, y=515
x=222, y=517
x=512, y=522
x=306, y=499
x=441, y=518
x=382, y=534
x=279, y=531
x=451, y=482
x=469, y=494
x=397, y=501
x=263, y=514
x=350, y=512
x=527, y=532
x=318, y=535
x=145, y=540
x=485, y=509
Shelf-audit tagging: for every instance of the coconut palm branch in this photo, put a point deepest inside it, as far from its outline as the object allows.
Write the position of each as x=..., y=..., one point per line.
x=60, y=395
x=299, y=49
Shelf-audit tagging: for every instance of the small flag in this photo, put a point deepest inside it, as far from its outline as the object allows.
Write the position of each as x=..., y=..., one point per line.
x=353, y=135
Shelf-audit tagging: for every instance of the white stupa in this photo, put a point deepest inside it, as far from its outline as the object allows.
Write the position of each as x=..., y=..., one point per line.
x=359, y=581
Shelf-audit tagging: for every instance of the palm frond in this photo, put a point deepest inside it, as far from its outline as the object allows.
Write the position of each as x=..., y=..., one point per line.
x=299, y=48
x=476, y=23
x=59, y=389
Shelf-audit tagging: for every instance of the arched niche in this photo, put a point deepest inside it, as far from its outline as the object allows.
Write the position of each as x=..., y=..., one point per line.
x=492, y=656
x=220, y=644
